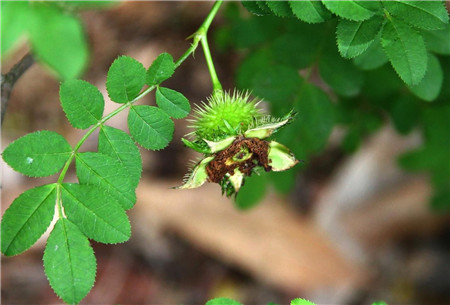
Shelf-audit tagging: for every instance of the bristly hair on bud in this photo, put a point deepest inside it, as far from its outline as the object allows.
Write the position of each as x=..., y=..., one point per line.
x=231, y=133
x=225, y=114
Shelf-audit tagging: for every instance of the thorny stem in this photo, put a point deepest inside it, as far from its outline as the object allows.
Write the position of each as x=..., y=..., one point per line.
x=199, y=35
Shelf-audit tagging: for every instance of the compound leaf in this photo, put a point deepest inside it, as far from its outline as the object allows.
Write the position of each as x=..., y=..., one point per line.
x=264, y=7
x=352, y=10
x=406, y=51
x=174, y=103
x=161, y=69
x=428, y=15
x=82, y=103
x=38, y=154
x=69, y=262
x=97, y=217
x=354, y=37
x=310, y=11
x=58, y=39
x=14, y=21
x=429, y=87
x=119, y=145
x=125, y=79
x=280, y=8
x=27, y=219
x=108, y=174
x=150, y=126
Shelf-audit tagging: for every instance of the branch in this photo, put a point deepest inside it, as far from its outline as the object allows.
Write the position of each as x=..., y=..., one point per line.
x=10, y=78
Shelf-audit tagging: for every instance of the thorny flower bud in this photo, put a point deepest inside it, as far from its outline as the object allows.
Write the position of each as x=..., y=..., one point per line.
x=230, y=131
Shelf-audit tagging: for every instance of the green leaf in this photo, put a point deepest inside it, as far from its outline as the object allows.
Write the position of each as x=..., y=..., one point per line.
x=374, y=57
x=438, y=41
x=354, y=37
x=263, y=6
x=297, y=51
x=310, y=130
x=150, y=126
x=299, y=301
x=252, y=192
x=82, y=103
x=69, y=262
x=174, y=103
x=14, y=22
x=222, y=301
x=38, y=154
x=406, y=51
x=310, y=11
x=280, y=8
x=429, y=87
x=58, y=39
x=379, y=303
x=107, y=173
x=352, y=10
x=428, y=15
x=276, y=83
x=283, y=182
x=340, y=74
x=161, y=69
x=125, y=79
x=97, y=217
x=27, y=218
x=119, y=145
x=254, y=8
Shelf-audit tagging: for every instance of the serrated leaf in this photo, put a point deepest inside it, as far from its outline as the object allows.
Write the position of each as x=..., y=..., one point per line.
x=174, y=103
x=252, y=192
x=374, y=57
x=340, y=74
x=429, y=87
x=125, y=79
x=58, y=39
x=119, y=145
x=280, y=8
x=222, y=301
x=406, y=51
x=428, y=15
x=438, y=41
x=150, y=126
x=107, y=173
x=253, y=8
x=299, y=301
x=352, y=10
x=14, y=22
x=263, y=6
x=310, y=11
x=69, y=262
x=161, y=69
x=38, y=154
x=97, y=217
x=354, y=37
x=82, y=103
x=27, y=218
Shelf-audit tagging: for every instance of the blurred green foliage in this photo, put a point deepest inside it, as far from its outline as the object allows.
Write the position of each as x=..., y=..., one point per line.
x=342, y=51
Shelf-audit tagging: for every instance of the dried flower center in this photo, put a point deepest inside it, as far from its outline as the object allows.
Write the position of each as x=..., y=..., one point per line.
x=244, y=154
